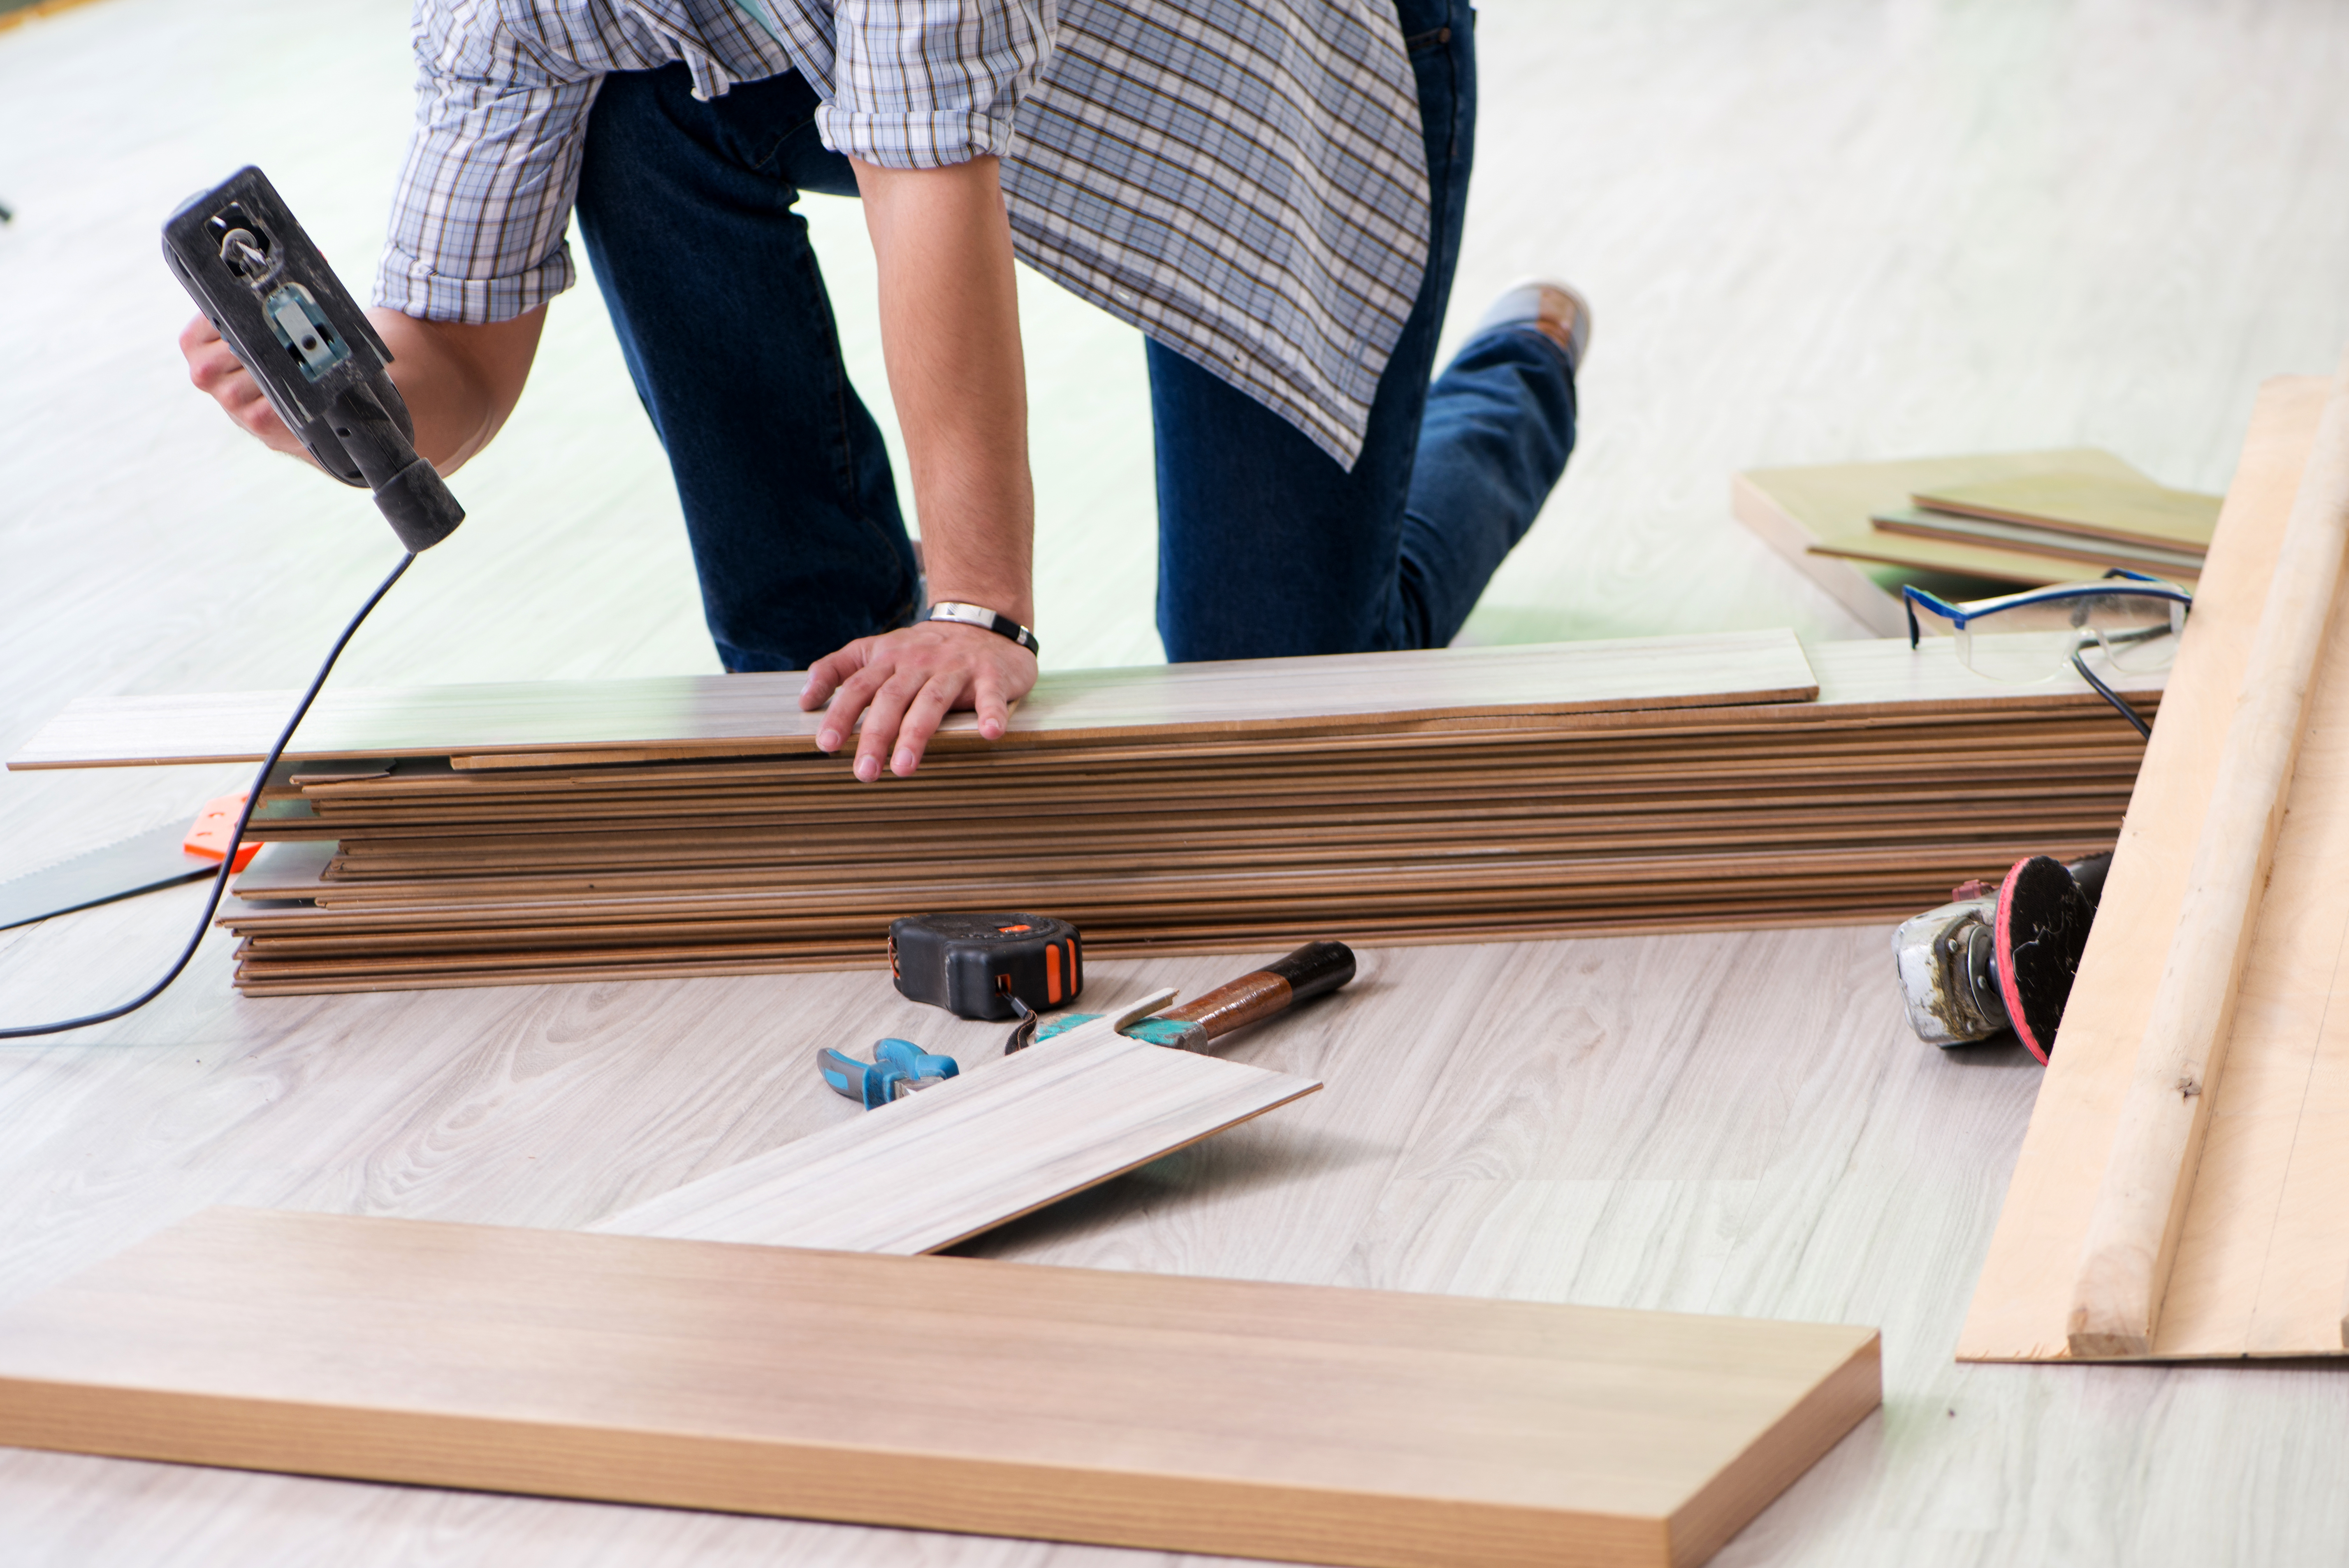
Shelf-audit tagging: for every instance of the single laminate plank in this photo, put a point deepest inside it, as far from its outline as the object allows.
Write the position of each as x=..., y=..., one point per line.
x=719, y=713
x=1184, y=1414
x=1008, y=1136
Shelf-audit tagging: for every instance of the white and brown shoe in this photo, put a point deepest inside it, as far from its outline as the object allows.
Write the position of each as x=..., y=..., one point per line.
x=1556, y=310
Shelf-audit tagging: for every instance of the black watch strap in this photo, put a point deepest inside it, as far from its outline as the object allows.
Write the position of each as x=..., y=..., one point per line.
x=985, y=619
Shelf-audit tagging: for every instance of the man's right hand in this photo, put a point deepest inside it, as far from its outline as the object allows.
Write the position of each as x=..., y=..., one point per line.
x=221, y=376
x=460, y=382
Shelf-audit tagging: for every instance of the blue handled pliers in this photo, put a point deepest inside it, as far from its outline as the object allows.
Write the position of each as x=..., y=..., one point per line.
x=898, y=1068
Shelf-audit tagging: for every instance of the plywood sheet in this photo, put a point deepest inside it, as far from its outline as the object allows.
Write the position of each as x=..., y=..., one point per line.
x=2265, y=1253
x=1177, y=1415
x=682, y=713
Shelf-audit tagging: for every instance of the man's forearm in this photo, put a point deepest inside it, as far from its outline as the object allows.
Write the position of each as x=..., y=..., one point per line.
x=460, y=382
x=950, y=334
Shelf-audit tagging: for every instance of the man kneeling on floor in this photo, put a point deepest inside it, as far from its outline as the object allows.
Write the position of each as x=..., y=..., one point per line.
x=1278, y=208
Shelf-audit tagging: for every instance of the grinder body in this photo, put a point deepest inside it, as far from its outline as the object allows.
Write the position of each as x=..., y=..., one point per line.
x=2001, y=957
x=273, y=298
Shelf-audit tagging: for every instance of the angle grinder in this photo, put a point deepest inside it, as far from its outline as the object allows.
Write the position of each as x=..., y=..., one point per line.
x=2000, y=957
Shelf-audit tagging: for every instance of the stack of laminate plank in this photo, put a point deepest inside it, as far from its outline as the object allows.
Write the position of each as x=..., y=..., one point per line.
x=487, y=835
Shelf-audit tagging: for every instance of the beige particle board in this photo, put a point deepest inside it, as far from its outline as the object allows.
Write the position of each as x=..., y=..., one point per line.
x=2264, y=1251
x=721, y=712
x=1176, y=1415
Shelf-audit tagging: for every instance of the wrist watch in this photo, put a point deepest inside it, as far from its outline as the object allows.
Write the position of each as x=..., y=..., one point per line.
x=985, y=619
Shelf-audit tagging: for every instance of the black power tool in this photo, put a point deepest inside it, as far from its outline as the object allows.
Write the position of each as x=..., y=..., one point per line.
x=274, y=299
x=2001, y=957
x=279, y=306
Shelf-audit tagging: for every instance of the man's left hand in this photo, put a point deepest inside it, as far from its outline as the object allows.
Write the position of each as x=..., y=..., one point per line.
x=906, y=681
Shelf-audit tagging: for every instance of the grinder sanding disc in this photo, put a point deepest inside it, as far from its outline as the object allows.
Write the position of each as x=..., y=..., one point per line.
x=2041, y=930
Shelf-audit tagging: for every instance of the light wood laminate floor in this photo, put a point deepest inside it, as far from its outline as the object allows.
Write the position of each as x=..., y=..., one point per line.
x=1813, y=232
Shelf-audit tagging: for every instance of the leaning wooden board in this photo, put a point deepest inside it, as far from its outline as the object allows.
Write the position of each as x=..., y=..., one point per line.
x=722, y=712
x=1177, y=1415
x=2264, y=1255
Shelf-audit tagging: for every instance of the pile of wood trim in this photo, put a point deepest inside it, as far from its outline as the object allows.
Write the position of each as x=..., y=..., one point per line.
x=1728, y=782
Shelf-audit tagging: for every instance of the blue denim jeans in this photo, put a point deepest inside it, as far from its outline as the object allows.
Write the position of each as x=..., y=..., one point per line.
x=1266, y=546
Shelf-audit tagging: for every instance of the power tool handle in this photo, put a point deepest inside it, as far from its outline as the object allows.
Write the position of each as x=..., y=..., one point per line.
x=1312, y=970
x=408, y=490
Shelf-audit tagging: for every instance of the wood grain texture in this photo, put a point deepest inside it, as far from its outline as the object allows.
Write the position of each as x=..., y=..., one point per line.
x=951, y=1394
x=2263, y=1243
x=2132, y=1240
x=1006, y=1136
x=681, y=715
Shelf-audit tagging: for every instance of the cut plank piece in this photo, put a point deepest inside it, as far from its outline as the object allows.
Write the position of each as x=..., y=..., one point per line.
x=2133, y=1233
x=1007, y=1136
x=1178, y=1414
x=720, y=713
x=2264, y=1247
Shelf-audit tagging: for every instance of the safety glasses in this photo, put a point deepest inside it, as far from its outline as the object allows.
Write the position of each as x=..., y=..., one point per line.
x=2132, y=619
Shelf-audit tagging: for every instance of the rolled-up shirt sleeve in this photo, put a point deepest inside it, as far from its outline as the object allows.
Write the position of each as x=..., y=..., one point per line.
x=478, y=223
x=923, y=84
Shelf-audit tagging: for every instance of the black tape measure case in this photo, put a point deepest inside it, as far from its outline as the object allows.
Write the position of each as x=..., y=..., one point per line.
x=972, y=965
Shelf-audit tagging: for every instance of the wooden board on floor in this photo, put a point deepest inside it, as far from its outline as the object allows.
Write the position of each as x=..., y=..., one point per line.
x=1176, y=1415
x=719, y=713
x=1005, y=1137
x=2265, y=1257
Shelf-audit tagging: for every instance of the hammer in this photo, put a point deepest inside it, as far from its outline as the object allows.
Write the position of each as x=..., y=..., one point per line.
x=1312, y=970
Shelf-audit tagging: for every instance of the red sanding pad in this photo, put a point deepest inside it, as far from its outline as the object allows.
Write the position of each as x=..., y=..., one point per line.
x=2041, y=930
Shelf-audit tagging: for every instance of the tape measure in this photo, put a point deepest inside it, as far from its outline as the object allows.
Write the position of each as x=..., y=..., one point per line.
x=973, y=965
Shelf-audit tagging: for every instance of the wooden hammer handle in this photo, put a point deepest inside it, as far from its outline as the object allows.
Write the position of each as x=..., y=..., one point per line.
x=1311, y=969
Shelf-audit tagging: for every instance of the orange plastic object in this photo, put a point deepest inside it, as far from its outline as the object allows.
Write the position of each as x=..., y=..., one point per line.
x=209, y=836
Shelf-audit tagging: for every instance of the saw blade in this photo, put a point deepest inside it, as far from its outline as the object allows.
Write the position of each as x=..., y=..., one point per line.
x=135, y=864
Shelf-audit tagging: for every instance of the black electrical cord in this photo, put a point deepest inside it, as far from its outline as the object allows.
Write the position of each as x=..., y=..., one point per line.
x=2119, y=703
x=228, y=861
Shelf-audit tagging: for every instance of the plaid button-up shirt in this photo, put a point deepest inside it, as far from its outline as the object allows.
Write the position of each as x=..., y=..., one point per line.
x=1242, y=179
